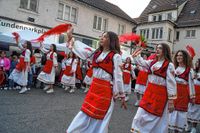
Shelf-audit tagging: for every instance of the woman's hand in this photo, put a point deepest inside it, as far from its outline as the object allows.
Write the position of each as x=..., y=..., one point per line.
x=137, y=52
x=171, y=105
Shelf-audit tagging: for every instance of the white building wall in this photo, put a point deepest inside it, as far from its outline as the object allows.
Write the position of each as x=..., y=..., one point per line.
x=164, y=39
x=184, y=41
x=47, y=16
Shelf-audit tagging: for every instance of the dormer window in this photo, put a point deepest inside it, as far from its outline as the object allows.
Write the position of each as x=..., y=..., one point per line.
x=169, y=16
x=160, y=17
x=154, y=18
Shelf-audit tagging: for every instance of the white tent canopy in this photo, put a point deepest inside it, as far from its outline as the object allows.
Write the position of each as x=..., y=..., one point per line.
x=27, y=35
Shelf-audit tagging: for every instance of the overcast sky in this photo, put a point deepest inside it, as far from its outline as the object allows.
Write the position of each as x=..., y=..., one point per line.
x=132, y=7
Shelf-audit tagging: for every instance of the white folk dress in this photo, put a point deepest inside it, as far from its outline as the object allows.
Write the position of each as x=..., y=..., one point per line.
x=145, y=122
x=82, y=123
x=45, y=77
x=194, y=109
x=178, y=119
x=127, y=87
x=21, y=77
x=69, y=80
x=138, y=87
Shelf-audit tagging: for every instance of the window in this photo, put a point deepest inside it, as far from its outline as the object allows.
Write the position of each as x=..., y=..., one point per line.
x=153, y=33
x=161, y=33
x=29, y=5
x=169, y=35
x=121, y=29
x=169, y=16
x=154, y=18
x=100, y=23
x=144, y=33
x=190, y=33
x=177, y=35
x=160, y=17
x=157, y=33
x=66, y=12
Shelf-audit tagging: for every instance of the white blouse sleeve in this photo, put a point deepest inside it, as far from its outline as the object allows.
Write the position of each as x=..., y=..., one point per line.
x=191, y=84
x=83, y=53
x=133, y=72
x=43, y=49
x=171, y=82
x=144, y=63
x=118, y=86
x=20, y=46
x=55, y=62
x=27, y=55
x=74, y=65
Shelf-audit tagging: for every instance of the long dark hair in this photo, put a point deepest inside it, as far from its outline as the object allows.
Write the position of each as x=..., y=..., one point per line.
x=166, y=51
x=186, y=59
x=113, y=42
x=29, y=46
x=197, y=67
x=54, y=48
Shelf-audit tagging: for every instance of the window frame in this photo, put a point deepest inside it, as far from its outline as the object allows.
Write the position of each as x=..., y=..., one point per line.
x=156, y=33
x=120, y=32
x=69, y=19
x=28, y=6
x=190, y=34
x=103, y=23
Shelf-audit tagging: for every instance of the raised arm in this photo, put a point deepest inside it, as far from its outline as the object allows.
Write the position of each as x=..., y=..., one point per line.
x=83, y=51
x=43, y=49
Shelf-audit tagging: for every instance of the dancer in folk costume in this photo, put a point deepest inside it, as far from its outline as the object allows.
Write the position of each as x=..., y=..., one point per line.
x=69, y=76
x=98, y=105
x=20, y=74
x=88, y=77
x=128, y=74
x=141, y=80
x=48, y=73
x=62, y=67
x=152, y=114
x=193, y=116
x=185, y=91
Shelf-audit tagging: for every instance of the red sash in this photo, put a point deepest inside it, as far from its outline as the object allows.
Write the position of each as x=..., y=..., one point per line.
x=142, y=78
x=126, y=77
x=21, y=65
x=79, y=74
x=2, y=77
x=98, y=99
x=89, y=72
x=67, y=71
x=181, y=103
x=154, y=99
x=48, y=66
x=197, y=94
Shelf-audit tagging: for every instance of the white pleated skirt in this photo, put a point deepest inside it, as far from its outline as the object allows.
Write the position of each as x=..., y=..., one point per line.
x=82, y=123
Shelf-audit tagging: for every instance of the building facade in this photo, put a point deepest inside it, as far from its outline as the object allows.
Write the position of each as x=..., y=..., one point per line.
x=174, y=22
x=89, y=18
